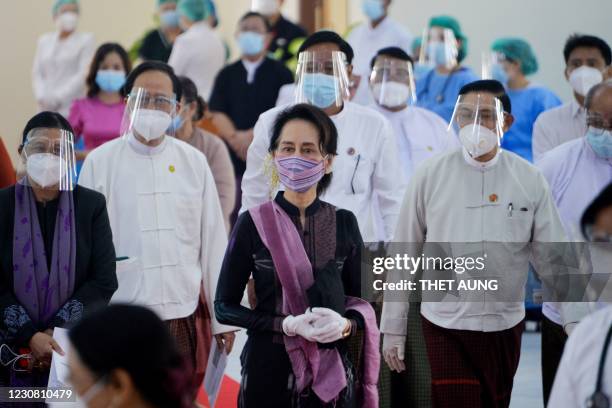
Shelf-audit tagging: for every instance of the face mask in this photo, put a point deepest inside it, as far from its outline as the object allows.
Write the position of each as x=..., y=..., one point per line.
x=320, y=89
x=373, y=9
x=151, y=124
x=499, y=74
x=478, y=140
x=299, y=174
x=601, y=144
x=44, y=168
x=584, y=78
x=437, y=52
x=110, y=80
x=176, y=124
x=420, y=70
x=391, y=94
x=67, y=21
x=92, y=392
x=251, y=43
x=265, y=7
x=169, y=18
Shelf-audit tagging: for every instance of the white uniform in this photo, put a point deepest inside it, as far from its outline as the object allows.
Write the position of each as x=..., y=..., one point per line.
x=576, y=377
x=366, y=42
x=365, y=169
x=165, y=215
x=60, y=68
x=453, y=199
x=199, y=55
x=557, y=126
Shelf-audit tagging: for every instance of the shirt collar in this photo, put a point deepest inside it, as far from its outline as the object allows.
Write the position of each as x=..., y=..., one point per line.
x=145, y=150
x=292, y=210
x=576, y=108
x=482, y=166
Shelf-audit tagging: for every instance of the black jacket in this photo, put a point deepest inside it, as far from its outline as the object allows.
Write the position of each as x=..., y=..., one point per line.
x=95, y=278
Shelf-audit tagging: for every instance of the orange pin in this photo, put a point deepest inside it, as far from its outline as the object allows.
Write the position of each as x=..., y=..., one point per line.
x=493, y=198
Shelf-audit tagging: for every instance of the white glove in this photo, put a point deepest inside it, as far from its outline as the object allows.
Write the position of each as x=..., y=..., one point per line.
x=393, y=351
x=300, y=325
x=329, y=325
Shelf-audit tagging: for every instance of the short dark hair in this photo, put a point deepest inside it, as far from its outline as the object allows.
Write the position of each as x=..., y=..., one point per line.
x=152, y=66
x=190, y=94
x=491, y=86
x=588, y=41
x=326, y=36
x=601, y=202
x=588, y=99
x=328, y=134
x=256, y=14
x=92, y=87
x=106, y=339
x=393, y=52
x=51, y=120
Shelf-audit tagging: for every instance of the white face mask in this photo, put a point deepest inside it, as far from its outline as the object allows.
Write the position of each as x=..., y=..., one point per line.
x=67, y=21
x=265, y=7
x=478, y=140
x=391, y=94
x=151, y=124
x=584, y=78
x=44, y=169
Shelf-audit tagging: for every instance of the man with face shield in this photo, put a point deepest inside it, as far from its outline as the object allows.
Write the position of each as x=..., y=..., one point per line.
x=366, y=168
x=57, y=261
x=588, y=62
x=444, y=48
x=477, y=194
x=164, y=209
x=576, y=172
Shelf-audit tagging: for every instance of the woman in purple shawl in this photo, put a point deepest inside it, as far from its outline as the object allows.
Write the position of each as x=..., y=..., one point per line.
x=57, y=259
x=305, y=258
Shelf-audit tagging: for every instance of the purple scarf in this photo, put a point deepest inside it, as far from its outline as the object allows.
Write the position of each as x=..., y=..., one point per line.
x=40, y=291
x=320, y=367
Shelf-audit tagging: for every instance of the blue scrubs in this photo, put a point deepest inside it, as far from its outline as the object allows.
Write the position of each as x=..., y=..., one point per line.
x=438, y=93
x=527, y=104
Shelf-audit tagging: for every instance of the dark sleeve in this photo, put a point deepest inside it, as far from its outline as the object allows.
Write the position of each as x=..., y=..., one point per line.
x=219, y=97
x=285, y=76
x=351, y=271
x=101, y=280
x=146, y=51
x=235, y=272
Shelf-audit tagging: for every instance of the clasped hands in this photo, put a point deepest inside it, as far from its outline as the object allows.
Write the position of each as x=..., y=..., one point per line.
x=317, y=324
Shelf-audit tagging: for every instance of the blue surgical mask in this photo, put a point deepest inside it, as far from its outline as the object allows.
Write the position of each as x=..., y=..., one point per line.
x=320, y=89
x=420, y=70
x=176, y=124
x=600, y=143
x=251, y=43
x=169, y=18
x=374, y=9
x=110, y=80
x=499, y=74
x=437, y=52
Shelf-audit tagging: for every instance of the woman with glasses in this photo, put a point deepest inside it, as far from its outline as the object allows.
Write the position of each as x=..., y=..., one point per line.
x=58, y=262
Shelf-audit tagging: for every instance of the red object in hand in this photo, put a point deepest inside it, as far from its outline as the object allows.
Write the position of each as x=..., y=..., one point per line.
x=23, y=363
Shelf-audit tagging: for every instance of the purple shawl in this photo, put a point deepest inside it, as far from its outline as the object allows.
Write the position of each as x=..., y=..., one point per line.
x=40, y=291
x=320, y=368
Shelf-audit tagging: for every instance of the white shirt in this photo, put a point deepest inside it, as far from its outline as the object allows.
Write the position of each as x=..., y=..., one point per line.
x=557, y=126
x=199, y=55
x=165, y=216
x=366, y=167
x=286, y=95
x=60, y=68
x=576, y=376
x=366, y=42
x=251, y=68
x=451, y=201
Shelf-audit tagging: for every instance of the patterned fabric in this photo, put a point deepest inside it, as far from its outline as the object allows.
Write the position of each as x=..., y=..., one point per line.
x=15, y=317
x=184, y=331
x=72, y=311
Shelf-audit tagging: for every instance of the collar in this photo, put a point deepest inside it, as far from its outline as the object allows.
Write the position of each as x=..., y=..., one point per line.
x=145, y=150
x=251, y=68
x=482, y=166
x=292, y=210
x=576, y=108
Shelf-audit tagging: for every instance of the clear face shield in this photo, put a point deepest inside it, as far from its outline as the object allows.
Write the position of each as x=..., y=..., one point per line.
x=322, y=79
x=47, y=159
x=440, y=48
x=492, y=66
x=478, y=119
x=392, y=82
x=148, y=116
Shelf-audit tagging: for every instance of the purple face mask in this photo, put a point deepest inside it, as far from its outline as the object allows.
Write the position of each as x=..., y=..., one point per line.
x=299, y=174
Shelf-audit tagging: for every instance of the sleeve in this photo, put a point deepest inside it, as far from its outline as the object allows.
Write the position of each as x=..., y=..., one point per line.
x=213, y=244
x=235, y=272
x=351, y=271
x=75, y=118
x=219, y=96
x=101, y=281
x=225, y=180
x=145, y=50
x=541, y=142
x=564, y=388
x=38, y=82
x=179, y=57
x=72, y=89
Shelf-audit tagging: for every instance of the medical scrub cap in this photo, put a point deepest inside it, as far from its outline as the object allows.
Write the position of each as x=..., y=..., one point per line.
x=162, y=2
x=452, y=24
x=59, y=3
x=194, y=10
x=518, y=50
x=416, y=43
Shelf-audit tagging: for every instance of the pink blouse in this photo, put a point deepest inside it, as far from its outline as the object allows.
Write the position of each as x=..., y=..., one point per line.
x=95, y=121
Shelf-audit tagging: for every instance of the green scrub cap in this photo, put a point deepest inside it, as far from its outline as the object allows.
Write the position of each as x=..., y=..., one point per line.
x=59, y=3
x=452, y=24
x=162, y=2
x=517, y=50
x=194, y=10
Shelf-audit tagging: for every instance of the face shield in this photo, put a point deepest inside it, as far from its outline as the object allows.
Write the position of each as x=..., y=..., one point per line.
x=322, y=79
x=148, y=115
x=392, y=82
x=478, y=118
x=492, y=66
x=441, y=48
x=48, y=160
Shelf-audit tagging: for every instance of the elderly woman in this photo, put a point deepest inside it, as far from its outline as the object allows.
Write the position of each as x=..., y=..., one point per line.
x=58, y=261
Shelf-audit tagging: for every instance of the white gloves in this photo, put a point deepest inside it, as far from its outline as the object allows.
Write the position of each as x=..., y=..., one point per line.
x=393, y=351
x=300, y=325
x=318, y=324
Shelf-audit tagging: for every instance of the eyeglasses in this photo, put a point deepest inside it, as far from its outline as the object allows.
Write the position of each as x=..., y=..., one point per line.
x=158, y=102
x=598, y=124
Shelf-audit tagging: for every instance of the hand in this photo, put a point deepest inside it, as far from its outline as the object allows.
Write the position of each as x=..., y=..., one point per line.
x=43, y=345
x=330, y=325
x=569, y=328
x=300, y=325
x=226, y=340
x=241, y=141
x=393, y=351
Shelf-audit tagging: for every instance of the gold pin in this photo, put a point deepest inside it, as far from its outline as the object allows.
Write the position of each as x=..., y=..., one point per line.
x=171, y=168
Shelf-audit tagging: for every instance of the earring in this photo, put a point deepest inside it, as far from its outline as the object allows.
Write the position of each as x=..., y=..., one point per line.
x=271, y=174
